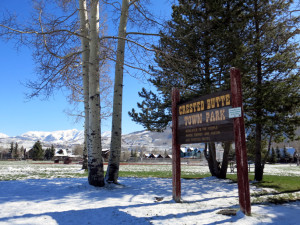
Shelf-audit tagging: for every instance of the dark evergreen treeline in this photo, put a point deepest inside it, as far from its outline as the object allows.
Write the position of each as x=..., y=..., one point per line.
x=35, y=153
x=15, y=152
x=200, y=44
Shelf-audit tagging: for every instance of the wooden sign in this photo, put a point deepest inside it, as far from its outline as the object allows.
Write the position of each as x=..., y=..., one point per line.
x=240, y=142
x=213, y=118
x=205, y=119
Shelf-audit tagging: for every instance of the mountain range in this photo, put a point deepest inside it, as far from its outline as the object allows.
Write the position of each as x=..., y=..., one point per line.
x=62, y=138
x=136, y=140
x=68, y=138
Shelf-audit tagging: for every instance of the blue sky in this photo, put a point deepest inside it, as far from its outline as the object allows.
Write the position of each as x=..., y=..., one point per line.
x=18, y=115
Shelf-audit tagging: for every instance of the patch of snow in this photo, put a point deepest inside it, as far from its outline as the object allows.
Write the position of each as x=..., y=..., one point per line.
x=106, y=134
x=3, y=135
x=62, y=135
x=73, y=201
x=65, y=138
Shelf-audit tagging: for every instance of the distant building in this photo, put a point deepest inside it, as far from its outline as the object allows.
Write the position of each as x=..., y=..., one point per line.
x=149, y=156
x=61, y=153
x=158, y=156
x=168, y=156
x=105, y=153
x=65, y=155
x=187, y=152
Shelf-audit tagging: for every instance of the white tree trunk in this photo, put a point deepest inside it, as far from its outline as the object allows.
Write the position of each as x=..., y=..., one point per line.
x=95, y=162
x=116, y=132
x=85, y=74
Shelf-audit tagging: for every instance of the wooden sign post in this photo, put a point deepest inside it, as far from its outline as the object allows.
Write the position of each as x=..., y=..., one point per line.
x=212, y=118
x=176, y=167
x=240, y=142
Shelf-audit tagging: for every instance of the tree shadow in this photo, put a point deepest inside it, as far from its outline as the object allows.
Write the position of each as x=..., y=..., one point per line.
x=64, y=189
x=105, y=216
x=55, y=189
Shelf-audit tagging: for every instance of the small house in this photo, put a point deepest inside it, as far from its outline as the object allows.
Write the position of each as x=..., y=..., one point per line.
x=149, y=156
x=60, y=154
x=159, y=156
x=105, y=154
x=168, y=156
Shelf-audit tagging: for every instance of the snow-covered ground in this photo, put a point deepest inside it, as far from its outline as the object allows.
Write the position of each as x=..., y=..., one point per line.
x=16, y=170
x=67, y=201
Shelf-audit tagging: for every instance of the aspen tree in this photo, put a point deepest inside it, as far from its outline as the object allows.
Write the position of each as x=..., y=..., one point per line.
x=95, y=161
x=85, y=74
x=116, y=132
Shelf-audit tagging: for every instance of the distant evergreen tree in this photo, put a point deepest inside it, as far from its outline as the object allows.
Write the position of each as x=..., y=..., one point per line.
x=250, y=144
x=204, y=39
x=131, y=153
x=285, y=154
x=272, y=156
x=22, y=152
x=52, y=150
x=201, y=42
x=49, y=153
x=15, y=152
x=272, y=75
x=37, y=151
x=11, y=149
x=278, y=154
x=195, y=52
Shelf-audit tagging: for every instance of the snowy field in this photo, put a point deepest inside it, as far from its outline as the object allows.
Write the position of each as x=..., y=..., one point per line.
x=71, y=200
x=16, y=170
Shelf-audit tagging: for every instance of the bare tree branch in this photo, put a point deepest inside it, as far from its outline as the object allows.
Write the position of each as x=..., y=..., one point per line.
x=42, y=33
x=129, y=40
x=113, y=4
x=133, y=2
x=139, y=8
x=46, y=45
x=140, y=33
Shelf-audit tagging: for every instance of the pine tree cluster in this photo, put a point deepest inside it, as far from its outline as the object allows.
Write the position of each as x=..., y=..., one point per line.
x=200, y=44
x=15, y=151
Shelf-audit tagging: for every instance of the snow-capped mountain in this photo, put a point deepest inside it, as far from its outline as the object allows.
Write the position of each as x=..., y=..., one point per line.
x=106, y=134
x=63, y=138
x=142, y=139
x=148, y=139
x=67, y=138
x=55, y=136
x=3, y=135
